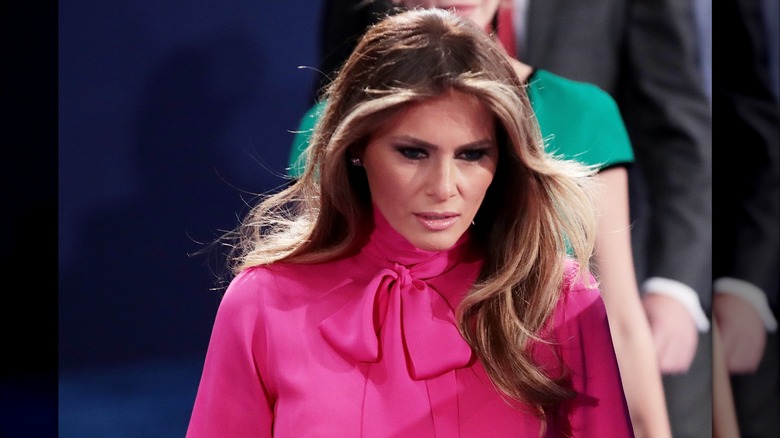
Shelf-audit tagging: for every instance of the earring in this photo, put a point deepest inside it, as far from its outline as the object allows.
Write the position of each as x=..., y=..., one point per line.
x=356, y=162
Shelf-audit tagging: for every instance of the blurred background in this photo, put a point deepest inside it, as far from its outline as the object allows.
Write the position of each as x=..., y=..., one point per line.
x=172, y=116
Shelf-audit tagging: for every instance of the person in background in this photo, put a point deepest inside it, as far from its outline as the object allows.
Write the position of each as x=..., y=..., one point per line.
x=645, y=55
x=427, y=275
x=746, y=215
x=582, y=122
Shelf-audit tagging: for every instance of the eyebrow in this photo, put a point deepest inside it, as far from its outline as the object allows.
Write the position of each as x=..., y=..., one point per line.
x=486, y=142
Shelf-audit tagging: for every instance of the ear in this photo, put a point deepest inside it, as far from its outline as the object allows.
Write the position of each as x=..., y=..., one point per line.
x=354, y=153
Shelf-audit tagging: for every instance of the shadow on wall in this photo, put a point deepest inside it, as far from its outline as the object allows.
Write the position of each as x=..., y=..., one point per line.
x=133, y=292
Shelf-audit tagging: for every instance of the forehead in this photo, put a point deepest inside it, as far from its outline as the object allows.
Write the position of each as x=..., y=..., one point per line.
x=453, y=108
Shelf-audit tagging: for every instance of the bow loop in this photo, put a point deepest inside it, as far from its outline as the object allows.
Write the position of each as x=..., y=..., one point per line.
x=352, y=330
x=433, y=344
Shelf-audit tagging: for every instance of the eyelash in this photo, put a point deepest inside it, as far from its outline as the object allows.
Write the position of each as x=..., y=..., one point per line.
x=415, y=153
x=412, y=153
x=473, y=154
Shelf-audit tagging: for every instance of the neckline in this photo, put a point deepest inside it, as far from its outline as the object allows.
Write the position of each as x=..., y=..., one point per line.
x=388, y=245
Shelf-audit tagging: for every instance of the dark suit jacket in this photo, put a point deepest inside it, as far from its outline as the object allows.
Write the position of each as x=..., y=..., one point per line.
x=747, y=143
x=643, y=52
x=746, y=166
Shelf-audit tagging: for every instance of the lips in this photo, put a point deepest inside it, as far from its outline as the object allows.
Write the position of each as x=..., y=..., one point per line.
x=437, y=221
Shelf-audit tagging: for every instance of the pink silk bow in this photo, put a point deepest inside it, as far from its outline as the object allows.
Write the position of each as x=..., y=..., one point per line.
x=427, y=321
x=432, y=343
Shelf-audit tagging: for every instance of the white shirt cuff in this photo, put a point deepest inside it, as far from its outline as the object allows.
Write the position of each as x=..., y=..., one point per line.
x=750, y=293
x=682, y=293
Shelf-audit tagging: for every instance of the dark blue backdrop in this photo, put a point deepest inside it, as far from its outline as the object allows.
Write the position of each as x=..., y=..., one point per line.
x=172, y=114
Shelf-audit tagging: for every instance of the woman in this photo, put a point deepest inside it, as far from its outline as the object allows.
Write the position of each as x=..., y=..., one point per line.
x=578, y=121
x=415, y=280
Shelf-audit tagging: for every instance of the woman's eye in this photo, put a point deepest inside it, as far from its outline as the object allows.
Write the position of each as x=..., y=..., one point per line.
x=473, y=155
x=412, y=153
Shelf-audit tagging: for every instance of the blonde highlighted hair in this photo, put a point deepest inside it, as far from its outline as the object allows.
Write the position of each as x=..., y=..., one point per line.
x=537, y=208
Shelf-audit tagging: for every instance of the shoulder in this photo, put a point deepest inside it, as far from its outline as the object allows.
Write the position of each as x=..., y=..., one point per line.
x=302, y=137
x=248, y=288
x=579, y=290
x=258, y=283
x=579, y=120
x=577, y=94
x=313, y=114
x=580, y=310
x=288, y=283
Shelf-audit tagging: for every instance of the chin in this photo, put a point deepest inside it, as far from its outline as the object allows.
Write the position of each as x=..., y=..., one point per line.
x=437, y=243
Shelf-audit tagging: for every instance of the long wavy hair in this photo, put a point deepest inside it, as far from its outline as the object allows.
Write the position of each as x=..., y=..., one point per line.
x=537, y=210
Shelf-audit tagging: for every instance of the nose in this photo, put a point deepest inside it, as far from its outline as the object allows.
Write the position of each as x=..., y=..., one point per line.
x=442, y=183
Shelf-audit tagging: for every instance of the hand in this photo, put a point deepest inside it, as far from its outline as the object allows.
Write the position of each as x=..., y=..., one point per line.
x=742, y=332
x=675, y=335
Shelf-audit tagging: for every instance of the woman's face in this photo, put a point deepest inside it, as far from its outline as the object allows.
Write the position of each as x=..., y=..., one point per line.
x=479, y=11
x=430, y=166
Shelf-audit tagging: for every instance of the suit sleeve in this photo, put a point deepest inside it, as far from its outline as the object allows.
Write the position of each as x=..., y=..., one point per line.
x=668, y=116
x=233, y=398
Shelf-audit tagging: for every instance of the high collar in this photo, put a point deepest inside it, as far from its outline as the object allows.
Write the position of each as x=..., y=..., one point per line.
x=388, y=245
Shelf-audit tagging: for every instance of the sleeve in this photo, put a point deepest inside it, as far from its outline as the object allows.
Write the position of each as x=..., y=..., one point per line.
x=582, y=330
x=580, y=121
x=668, y=116
x=610, y=145
x=233, y=398
x=749, y=292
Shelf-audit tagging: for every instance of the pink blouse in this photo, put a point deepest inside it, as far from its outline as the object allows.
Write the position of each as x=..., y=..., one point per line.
x=367, y=346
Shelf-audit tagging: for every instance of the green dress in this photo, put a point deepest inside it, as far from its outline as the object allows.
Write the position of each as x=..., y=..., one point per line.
x=579, y=121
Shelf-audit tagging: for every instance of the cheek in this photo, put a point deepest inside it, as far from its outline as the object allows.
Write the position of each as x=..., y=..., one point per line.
x=387, y=186
x=480, y=186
